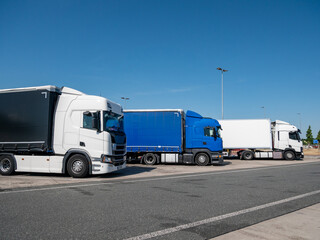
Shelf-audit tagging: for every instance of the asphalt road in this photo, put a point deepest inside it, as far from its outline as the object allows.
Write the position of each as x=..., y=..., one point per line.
x=192, y=206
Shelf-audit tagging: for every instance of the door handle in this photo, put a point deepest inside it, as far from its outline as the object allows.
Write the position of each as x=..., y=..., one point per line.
x=82, y=144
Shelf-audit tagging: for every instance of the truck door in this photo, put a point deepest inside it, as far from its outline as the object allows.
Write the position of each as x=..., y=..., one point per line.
x=294, y=141
x=283, y=138
x=210, y=139
x=91, y=137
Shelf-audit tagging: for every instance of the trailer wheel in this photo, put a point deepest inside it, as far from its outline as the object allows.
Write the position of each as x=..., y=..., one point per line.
x=247, y=155
x=202, y=159
x=150, y=159
x=77, y=166
x=6, y=165
x=289, y=155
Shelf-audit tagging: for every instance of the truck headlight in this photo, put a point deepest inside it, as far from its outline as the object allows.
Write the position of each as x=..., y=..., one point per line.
x=106, y=159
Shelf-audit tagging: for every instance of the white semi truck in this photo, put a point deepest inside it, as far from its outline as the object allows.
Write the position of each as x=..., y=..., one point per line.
x=260, y=138
x=56, y=130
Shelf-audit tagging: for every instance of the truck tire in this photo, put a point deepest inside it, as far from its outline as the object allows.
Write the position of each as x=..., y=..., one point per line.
x=202, y=159
x=247, y=155
x=78, y=166
x=6, y=165
x=289, y=155
x=150, y=159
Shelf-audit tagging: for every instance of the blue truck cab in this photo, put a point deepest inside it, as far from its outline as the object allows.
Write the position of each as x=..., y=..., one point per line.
x=172, y=136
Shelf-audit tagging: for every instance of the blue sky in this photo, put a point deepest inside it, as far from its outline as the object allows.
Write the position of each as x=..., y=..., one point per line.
x=164, y=54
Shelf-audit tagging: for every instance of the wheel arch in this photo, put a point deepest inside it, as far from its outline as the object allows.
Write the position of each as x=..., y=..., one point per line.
x=290, y=149
x=72, y=152
x=204, y=152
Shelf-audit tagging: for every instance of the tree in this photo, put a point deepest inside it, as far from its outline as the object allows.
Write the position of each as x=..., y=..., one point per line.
x=309, y=135
x=318, y=137
x=304, y=142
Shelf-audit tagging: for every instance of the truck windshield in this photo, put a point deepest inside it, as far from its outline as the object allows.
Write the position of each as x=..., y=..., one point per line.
x=112, y=122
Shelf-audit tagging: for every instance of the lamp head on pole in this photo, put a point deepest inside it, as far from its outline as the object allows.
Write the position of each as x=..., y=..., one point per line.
x=222, y=70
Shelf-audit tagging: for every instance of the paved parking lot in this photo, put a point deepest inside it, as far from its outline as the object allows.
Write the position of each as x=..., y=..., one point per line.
x=164, y=202
x=133, y=171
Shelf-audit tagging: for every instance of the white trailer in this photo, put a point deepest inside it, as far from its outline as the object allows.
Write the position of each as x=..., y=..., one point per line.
x=57, y=130
x=260, y=138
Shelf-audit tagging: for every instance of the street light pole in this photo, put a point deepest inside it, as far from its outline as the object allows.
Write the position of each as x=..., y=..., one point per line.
x=222, y=71
x=125, y=101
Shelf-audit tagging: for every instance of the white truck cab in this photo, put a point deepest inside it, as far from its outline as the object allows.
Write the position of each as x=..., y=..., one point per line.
x=286, y=138
x=63, y=130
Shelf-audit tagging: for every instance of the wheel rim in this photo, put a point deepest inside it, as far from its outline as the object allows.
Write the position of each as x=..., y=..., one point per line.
x=5, y=165
x=247, y=155
x=149, y=159
x=77, y=166
x=202, y=159
x=289, y=155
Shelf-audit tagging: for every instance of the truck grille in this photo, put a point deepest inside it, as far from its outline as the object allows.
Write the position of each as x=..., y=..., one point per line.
x=118, y=152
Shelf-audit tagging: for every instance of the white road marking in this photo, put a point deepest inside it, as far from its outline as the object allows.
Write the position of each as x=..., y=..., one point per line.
x=218, y=218
x=152, y=179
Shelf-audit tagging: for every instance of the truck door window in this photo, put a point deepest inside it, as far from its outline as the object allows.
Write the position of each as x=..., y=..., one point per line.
x=209, y=132
x=88, y=120
x=293, y=136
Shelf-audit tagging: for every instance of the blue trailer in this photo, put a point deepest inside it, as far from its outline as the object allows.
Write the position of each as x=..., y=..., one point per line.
x=172, y=136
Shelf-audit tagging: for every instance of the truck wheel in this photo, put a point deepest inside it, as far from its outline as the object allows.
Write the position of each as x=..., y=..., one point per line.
x=77, y=166
x=6, y=165
x=289, y=155
x=247, y=155
x=202, y=159
x=150, y=159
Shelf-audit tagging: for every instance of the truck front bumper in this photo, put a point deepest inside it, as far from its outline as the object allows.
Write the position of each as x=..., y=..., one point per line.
x=102, y=168
x=300, y=155
x=216, y=158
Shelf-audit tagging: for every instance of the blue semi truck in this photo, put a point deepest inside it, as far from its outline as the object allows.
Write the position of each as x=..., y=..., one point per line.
x=172, y=136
